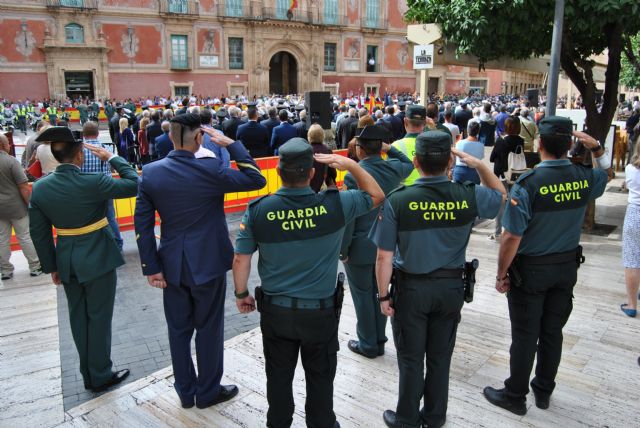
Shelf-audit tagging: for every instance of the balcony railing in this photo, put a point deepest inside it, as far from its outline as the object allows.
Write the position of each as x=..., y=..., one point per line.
x=282, y=14
x=72, y=4
x=334, y=20
x=179, y=7
x=181, y=63
x=373, y=23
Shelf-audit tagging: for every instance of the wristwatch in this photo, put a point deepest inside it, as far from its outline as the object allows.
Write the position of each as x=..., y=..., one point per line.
x=384, y=298
x=242, y=295
x=596, y=148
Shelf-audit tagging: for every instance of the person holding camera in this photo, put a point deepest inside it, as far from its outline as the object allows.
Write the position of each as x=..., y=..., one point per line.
x=428, y=287
x=539, y=258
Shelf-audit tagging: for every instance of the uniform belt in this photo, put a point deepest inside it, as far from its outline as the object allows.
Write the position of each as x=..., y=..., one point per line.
x=436, y=274
x=549, y=259
x=83, y=230
x=296, y=303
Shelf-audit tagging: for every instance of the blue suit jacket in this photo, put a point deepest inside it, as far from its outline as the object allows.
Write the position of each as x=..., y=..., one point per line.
x=281, y=134
x=255, y=138
x=163, y=145
x=188, y=194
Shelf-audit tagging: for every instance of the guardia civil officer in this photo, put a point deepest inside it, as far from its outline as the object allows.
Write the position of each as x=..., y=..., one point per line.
x=429, y=289
x=414, y=123
x=85, y=256
x=542, y=222
x=297, y=233
x=358, y=252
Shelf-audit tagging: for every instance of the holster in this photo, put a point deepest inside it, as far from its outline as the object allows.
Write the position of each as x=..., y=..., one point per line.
x=469, y=279
x=580, y=259
x=338, y=295
x=259, y=298
x=394, y=289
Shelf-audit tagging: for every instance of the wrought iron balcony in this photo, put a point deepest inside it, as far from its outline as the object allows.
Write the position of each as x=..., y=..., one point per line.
x=181, y=64
x=72, y=4
x=190, y=8
x=373, y=23
x=333, y=20
x=282, y=14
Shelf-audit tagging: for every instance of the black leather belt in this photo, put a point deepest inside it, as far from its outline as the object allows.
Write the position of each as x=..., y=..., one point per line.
x=296, y=303
x=436, y=274
x=549, y=259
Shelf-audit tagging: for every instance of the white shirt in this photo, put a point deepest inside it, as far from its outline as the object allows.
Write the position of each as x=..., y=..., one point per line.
x=632, y=178
x=47, y=161
x=455, y=131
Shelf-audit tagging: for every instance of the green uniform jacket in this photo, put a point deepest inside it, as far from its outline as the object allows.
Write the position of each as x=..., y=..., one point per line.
x=69, y=199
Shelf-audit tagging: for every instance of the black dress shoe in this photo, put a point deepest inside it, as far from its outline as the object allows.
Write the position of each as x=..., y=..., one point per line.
x=227, y=392
x=433, y=425
x=542, y=400
x=499, y=398
x=354, y=346
x=187, y=404
x=116, y=378
x=391, y=420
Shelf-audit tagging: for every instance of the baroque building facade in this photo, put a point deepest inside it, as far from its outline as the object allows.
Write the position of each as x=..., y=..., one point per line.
x=137, y=48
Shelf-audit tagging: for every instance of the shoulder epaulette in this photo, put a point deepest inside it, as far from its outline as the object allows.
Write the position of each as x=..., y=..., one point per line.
x=525, y=175
x=255, y=201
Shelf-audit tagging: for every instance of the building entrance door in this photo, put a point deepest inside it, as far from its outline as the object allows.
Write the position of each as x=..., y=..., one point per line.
x=433, y=85
x=283, y=74
x=79, y=84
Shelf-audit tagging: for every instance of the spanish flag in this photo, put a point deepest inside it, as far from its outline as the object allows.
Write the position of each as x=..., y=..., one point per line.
x=292, y=5
x=372, y=102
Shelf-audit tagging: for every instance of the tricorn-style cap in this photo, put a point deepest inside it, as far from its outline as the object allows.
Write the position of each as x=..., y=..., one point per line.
x=433, y=143
x=416, y=111
x=556, y=125
x=372, y=132
x=57, y=134
x=296, y=154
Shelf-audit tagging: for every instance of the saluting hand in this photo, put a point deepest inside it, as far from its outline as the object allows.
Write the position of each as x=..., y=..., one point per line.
x=217, y=137
x=246, y=305
x=101, y=153
x=339, y=162
x=470, y=161
x=386, y=309
x=587, y=140
x=157, y=280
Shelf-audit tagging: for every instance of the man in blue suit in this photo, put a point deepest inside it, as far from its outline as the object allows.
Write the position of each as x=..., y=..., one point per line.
x=163, y=143
x=283, y=132
x=272, y=122
x=195, y=252
x=254, y=136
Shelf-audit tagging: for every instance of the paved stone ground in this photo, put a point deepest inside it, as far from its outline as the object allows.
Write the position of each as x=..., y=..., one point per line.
x=139, y=340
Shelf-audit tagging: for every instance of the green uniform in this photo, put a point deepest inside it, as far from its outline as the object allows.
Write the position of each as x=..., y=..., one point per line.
x=360, y=252
x=86, y=263
x=428, y=226
x=109, y=111
x=52, y=113
x=84, y=113
x=297, y=233
x=407, y=145
x=131, y=106
x=546, y=208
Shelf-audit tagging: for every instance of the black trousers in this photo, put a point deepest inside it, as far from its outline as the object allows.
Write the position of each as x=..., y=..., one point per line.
x=538, y=310
x=314, y=334
x=200, y=308
x=427, y=313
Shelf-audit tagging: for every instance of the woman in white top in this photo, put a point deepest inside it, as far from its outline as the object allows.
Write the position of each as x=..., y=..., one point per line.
x=47, y=162
x=631, y=235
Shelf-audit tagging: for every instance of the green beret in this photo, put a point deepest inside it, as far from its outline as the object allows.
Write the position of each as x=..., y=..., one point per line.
x=416, y=111
x=433, y=143
x=556, y=125
x=296, y=154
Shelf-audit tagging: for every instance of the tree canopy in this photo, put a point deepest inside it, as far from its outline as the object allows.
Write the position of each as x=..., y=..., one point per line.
x=630, y=74
x=520, y=29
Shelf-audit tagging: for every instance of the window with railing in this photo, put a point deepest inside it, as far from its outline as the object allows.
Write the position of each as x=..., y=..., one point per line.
x=233, y=7
x=330, y=15
x=329, y=57
x=372, y=13
x=178, y=6
x=236, y=53
x=282, y=7
x=179, y=57
x=72, y=3
x=74, y=33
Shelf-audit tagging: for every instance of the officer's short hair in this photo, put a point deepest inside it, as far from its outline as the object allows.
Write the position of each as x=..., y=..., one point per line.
x=205, y=116
x=556, y=145
x=433, y=164
x=252, y=113
x=65, y=152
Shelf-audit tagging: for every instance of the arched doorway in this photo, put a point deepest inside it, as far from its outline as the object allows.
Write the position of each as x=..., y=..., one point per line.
x=283, y=74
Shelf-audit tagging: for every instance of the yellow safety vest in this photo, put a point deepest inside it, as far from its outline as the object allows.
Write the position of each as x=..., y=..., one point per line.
x=21, y=112
x=52, y=110
x=407, y=145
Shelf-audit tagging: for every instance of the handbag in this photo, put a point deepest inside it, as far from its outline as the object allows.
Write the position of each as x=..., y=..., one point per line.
x=35, y=170
x=517, y=162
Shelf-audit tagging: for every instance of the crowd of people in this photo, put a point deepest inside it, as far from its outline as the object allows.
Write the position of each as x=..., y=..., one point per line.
x=415, y=175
